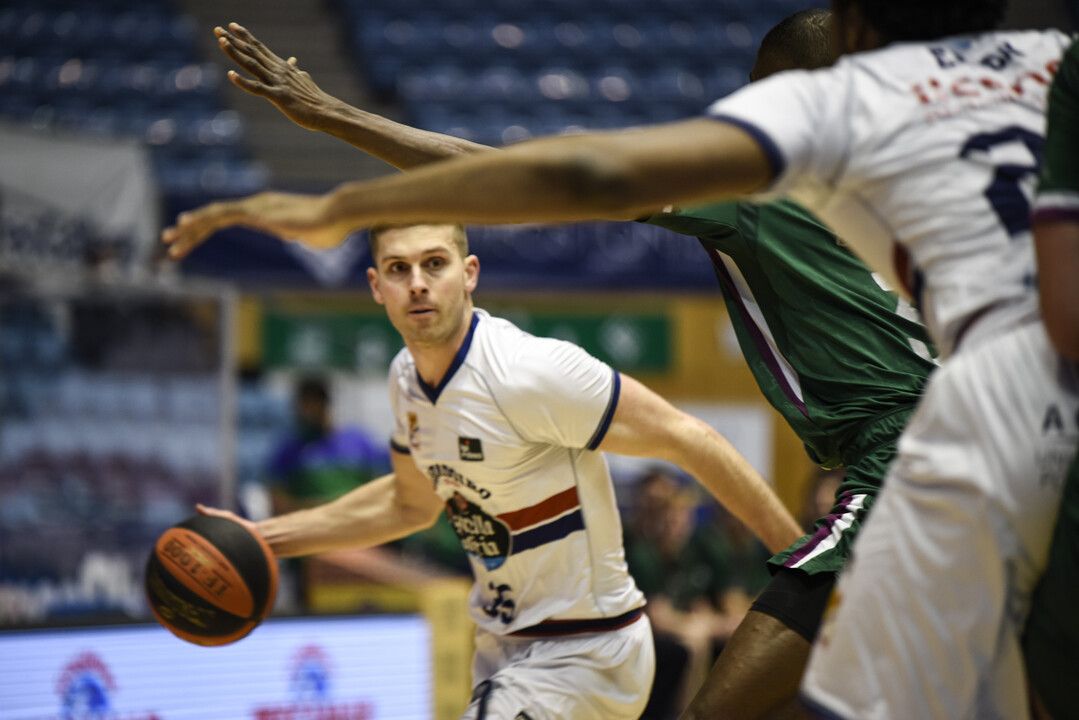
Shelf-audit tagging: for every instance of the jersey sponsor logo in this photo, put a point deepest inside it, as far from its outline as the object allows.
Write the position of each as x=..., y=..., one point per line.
x=470, y=449
x=949, y=95
x=494, y=538
x=481, y=535
x=440, y=473
x=1053, y=420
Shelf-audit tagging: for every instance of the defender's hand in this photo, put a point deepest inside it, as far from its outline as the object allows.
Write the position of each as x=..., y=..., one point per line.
x=291, y=90
x=295, y=218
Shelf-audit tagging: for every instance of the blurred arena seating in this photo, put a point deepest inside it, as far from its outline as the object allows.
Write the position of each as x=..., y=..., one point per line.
x=502, y=71
x=121, y=68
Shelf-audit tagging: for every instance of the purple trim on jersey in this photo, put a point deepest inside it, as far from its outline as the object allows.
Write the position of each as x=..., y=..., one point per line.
x=1055, y=214
x=824, y=531
x=554, y=628
x=817, y=710
x=398, y=447
x=608, y=414
x=763, y=348
x=767, y=144
x=555, y=530
x=432, y=393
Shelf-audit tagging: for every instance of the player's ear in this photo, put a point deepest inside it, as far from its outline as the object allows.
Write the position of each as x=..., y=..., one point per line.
x=372, y=282
x=472, y=272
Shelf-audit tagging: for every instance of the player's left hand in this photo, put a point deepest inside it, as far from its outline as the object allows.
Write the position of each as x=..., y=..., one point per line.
x=295, y=218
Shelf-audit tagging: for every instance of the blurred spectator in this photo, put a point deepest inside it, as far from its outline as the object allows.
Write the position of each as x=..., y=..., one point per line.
x=819, y=496
x=699, y=578
x=317, y=462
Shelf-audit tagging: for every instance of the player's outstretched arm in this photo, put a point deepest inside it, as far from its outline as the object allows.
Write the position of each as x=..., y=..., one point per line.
x=301, y=100
x=624, y=174
x=385, y=509
x=646, y=425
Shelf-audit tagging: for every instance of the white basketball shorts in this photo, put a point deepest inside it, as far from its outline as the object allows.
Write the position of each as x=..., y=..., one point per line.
x=925, y=620
x=599, y=675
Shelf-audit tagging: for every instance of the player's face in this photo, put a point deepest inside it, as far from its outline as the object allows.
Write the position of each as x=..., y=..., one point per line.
x=424, y=283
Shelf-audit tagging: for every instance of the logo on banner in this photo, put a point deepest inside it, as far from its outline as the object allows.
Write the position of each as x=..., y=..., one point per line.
x=310, y=674
x=86, y=688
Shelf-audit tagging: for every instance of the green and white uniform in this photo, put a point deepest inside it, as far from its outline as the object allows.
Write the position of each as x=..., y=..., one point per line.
x=1051, y=637
x=842, y=358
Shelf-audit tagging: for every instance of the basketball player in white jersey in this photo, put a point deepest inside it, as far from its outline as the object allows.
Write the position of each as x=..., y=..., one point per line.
x=919, y=148
x=501, y=430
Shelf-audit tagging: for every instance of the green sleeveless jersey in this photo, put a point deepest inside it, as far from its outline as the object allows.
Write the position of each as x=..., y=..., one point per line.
x=1058, y=191
x=830, y=347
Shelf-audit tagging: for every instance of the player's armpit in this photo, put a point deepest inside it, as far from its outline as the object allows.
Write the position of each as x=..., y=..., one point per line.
x=1057, y=246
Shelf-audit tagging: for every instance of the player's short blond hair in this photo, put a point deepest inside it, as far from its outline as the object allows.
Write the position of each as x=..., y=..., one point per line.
x=460, y=238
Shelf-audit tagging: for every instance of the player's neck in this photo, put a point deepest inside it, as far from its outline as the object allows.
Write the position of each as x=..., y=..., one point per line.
x=434, y=359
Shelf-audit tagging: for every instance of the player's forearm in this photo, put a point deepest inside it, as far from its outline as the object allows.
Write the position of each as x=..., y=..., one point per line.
x=601, y=175
x=730, y=479
x=399, y=145
x=1057, y=245
x=369, y=515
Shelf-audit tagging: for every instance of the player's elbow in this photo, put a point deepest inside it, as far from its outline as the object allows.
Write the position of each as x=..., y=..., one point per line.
x=598, y=182
x=420, y=516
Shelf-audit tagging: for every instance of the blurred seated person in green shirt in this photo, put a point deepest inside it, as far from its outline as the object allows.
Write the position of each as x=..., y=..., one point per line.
x=317, y=462
x=700, y=579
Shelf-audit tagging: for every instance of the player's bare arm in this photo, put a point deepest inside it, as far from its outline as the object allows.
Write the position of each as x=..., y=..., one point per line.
x=385, y=509
x=301, y=100
x=1057, y=247
x=560, y=179
x=646, y=425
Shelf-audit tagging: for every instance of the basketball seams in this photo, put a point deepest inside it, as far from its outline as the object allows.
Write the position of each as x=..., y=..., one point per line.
x=205, y=570
x=200, y=566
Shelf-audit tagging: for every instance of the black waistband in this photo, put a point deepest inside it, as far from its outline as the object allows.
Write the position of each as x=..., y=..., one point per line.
x=552, y=628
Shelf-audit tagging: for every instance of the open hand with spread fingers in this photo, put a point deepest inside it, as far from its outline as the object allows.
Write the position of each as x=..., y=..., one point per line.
x=291, y=90
x=295, y=218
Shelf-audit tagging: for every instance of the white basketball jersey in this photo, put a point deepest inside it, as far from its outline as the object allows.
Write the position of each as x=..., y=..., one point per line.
x=509, y=441
x=923, y=158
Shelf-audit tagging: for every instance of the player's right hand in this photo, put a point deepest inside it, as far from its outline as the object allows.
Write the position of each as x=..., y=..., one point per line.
x=291, y=90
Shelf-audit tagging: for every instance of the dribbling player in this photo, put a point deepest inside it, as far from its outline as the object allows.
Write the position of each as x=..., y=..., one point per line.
x=501, y=430
x=917, y=149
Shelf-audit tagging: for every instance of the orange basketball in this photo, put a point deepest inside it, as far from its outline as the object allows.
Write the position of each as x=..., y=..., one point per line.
x=210, y=581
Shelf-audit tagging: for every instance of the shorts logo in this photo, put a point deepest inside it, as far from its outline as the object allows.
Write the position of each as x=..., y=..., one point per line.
x=470, y=448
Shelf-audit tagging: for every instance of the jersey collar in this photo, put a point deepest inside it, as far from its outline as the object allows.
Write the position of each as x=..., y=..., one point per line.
x=432, y=393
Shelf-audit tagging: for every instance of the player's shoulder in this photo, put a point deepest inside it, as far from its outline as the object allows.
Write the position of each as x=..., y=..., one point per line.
x=512, y=359
x=990, y=51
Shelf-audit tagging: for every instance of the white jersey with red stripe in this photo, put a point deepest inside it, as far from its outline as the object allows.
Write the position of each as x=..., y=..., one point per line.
x=509, y=440
x=923, y=157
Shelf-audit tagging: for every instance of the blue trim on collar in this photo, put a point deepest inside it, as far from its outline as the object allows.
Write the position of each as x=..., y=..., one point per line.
x=398, y=447
x=432, y=393
x=767, y=144
x=608, y=414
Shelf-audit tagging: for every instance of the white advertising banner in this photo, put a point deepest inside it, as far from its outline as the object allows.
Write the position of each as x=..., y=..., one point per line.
x=109, y=184
x=369, y=668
